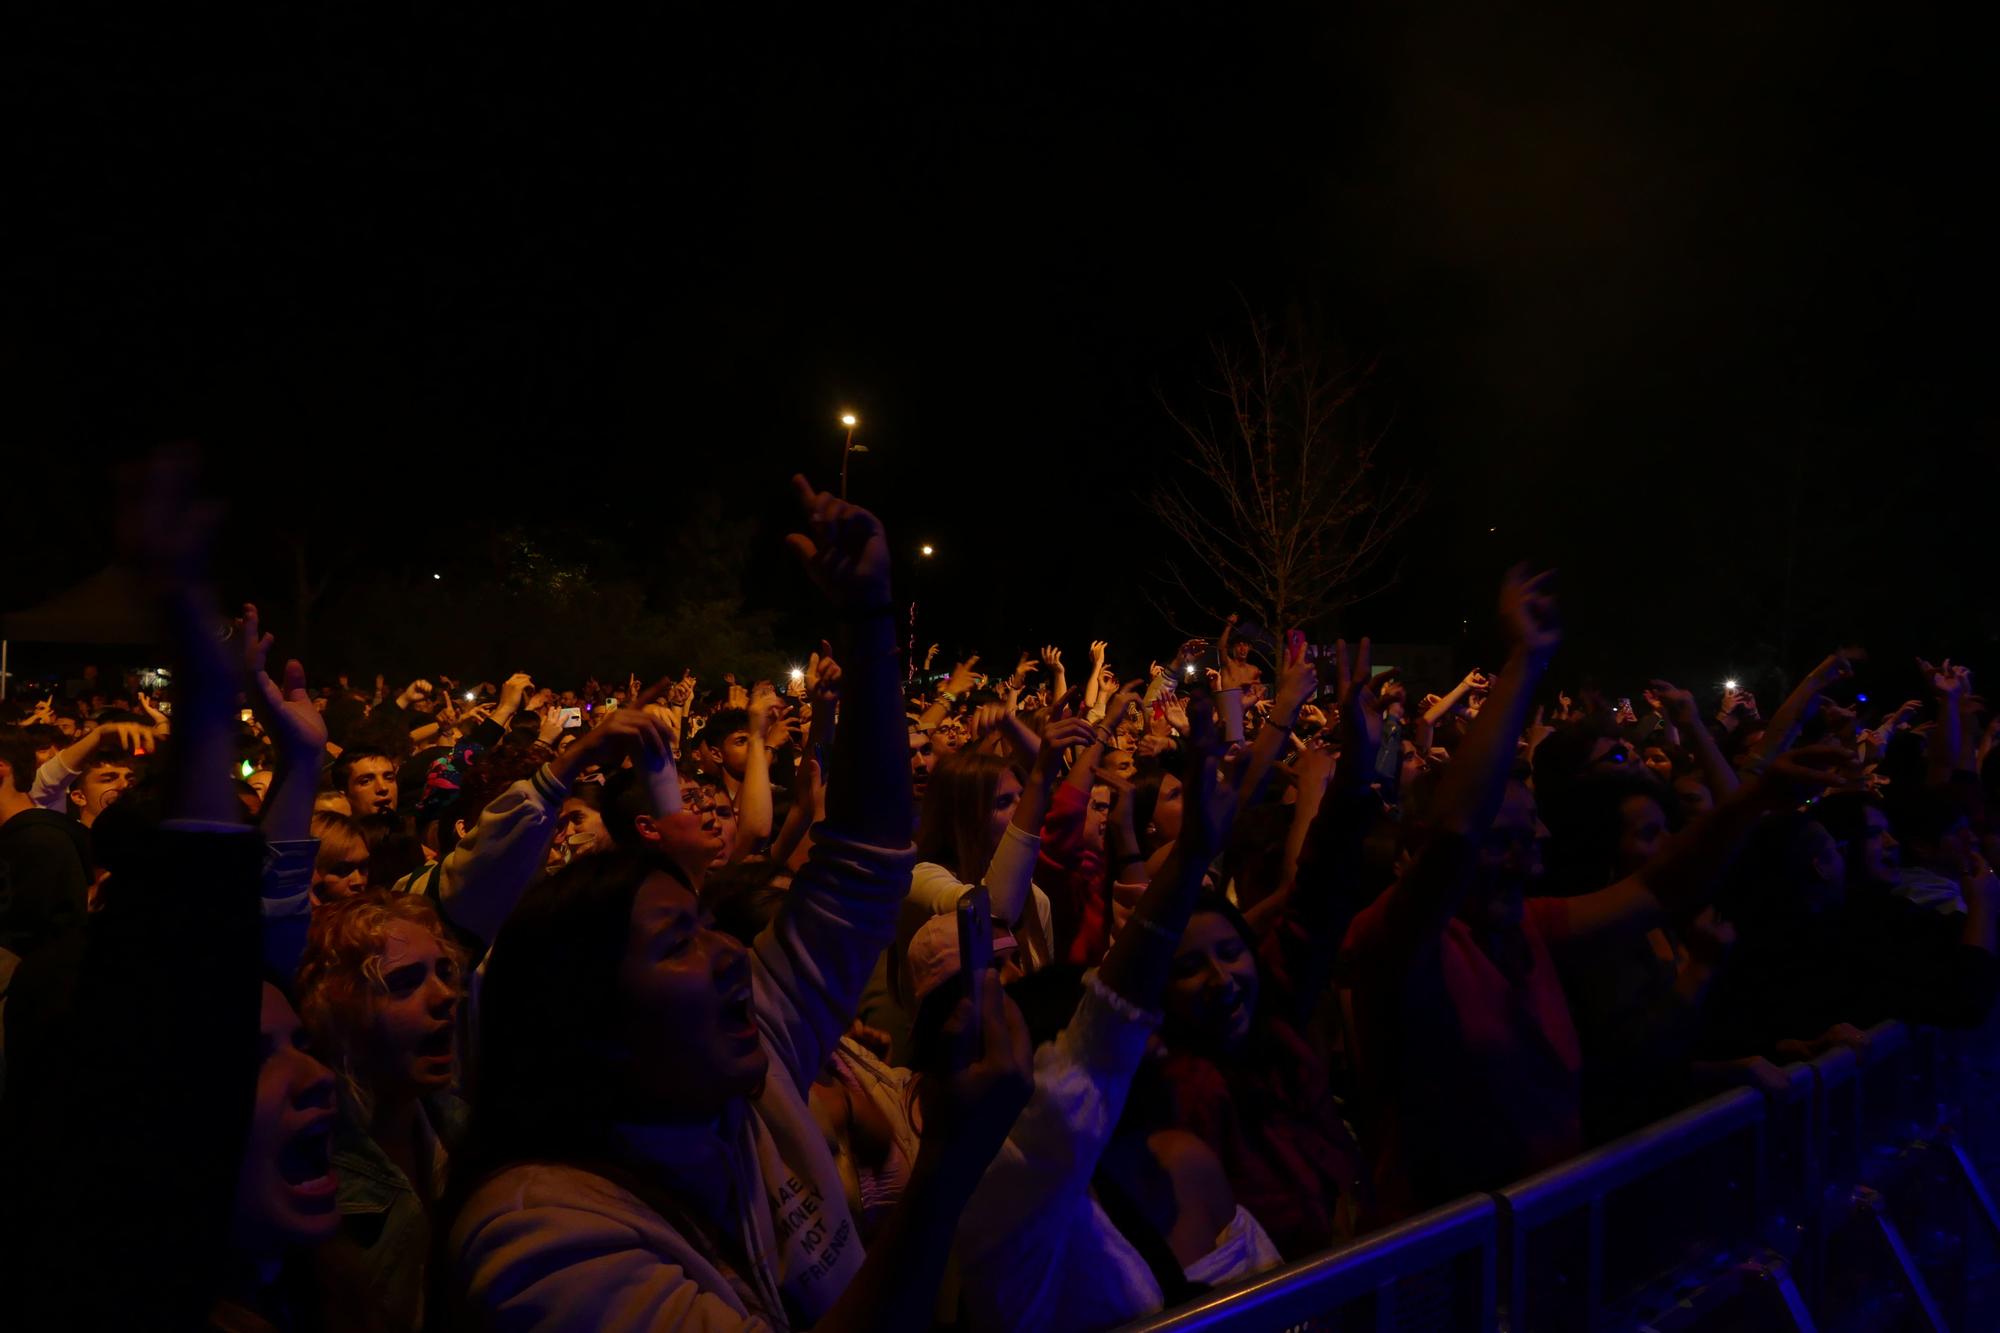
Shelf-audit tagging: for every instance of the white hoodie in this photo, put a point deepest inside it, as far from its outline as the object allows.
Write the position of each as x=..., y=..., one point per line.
x=545, y=1247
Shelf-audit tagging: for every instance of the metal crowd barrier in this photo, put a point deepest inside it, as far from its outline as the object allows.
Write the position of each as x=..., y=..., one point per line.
x=1844, y=1200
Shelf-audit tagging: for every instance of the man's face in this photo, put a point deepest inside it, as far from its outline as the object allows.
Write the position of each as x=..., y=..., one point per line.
x=66, y=725
x=97, y=789
x=1510, y=860
x=1094, y=817
x=921, y=760
x=736, y=753
x=371, y=786
x=1878, y=859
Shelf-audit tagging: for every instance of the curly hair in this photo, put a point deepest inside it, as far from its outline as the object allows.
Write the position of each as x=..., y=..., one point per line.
x=340, y=977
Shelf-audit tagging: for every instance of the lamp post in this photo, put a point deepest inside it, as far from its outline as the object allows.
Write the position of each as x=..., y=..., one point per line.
x=849, y=420
x=910, y=651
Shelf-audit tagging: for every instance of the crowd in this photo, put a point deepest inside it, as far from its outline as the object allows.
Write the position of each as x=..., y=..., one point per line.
x=873, y=999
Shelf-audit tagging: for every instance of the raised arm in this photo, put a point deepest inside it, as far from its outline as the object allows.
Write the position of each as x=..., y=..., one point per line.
x=1684, y=876
x=1141, y=957
x=1474, y=782
x=1783, y=730
x=1297, y=682
x=1945, y=753
x=1685, y=714
x=963, y=678
x=840, y=913
x=1474, y=680
x=755, y=806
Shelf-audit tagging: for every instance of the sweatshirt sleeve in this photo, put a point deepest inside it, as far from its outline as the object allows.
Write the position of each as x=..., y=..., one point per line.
x=550, y=1267
x=1008, y=877
x=1039, y=1183
x=498, y=858
x=287, y=902
x=52, y=783
x=810, y=964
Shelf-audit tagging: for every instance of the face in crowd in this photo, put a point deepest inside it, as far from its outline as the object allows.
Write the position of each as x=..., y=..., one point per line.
x=285, y=1187
x=688, y=1026
x=1212, y=993
x=371, y=786
x=98, y=788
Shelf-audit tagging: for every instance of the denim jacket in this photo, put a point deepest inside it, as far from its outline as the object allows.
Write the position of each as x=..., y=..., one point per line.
x=373, y=1270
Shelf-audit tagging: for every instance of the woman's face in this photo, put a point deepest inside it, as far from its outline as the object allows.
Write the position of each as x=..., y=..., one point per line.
x=416, y=1014
x=1213, y=990
x=340, y=868
x=285, y=1187
x=1006, y=795
x=1658, y=763
x=1167, y=811
x=690, y=1028
x=1119, y=763
x=1642, y=831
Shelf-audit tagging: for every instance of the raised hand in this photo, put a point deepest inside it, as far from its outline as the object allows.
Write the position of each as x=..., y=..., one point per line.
x=515, y=689
x=1798, y=774
x=844, y=551
x=1360, y=706
x=1528, y=612
x=762, y=705
x=737, y=697
x=1678, y=704
x=286, y=712
x=1298, y=681
x=1052, y=658
x=963, y=677
x=1098, y=647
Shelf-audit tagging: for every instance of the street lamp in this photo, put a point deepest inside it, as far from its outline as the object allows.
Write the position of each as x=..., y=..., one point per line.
x=849, y=420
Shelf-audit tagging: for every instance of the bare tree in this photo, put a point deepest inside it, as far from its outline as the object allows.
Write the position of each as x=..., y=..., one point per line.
x=1280, y=500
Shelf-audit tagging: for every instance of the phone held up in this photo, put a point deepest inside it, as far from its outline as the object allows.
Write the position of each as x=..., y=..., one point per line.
x=975, y=959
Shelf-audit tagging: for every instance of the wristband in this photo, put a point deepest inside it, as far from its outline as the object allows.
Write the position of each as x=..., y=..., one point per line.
x=1104, y=737
x=948, y=696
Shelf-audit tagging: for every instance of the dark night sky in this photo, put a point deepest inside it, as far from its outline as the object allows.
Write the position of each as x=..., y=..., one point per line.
x=1692, y=301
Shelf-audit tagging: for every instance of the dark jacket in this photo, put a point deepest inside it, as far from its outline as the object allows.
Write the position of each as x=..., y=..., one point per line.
x=45, y=870
x=120, y=1142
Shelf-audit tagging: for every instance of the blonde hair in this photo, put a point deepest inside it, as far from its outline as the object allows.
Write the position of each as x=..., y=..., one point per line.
x=340, y=977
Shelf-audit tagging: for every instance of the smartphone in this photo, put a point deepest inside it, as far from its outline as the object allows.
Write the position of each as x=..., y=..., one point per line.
x=243, y=716
x=975, y=957
x=572, y=718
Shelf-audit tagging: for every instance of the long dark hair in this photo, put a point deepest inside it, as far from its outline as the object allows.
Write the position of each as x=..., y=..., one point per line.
x=547, y=1082
x=954, y=829
x=546, y=1078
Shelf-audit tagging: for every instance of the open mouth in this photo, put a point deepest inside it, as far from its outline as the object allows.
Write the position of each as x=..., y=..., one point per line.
x=739, y=1016
x=305, y=1163
x=436, y=1046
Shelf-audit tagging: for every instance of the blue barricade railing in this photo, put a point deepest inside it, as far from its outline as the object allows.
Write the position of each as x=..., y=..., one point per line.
x=1435, y=1271
x=1701, y=1220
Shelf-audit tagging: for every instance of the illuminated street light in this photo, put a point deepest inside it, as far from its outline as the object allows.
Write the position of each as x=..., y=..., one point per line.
x=849, y=420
